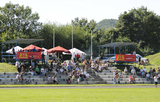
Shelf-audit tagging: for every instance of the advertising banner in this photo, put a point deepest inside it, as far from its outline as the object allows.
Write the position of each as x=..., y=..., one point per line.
x=28, y=55
x=123, y=57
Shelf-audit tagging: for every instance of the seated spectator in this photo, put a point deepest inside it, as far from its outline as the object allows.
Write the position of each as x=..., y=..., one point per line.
x=50, y=70
x=150, y=71
x=141, y=70
x=154, y=71
x=30, y=70
x=143, y=74
x=125, y=70
x=148, y=76
x=132, y=79
x=37, y=70
x=69, y=80
x=158, y=70
x=70, y=67
x=133, y=71
x=158, y=76
x=64, y=64
x=50, y=80
x=19, y=69
x=61, y=71
x=145, y=70
x=87, y=76
x=65, y=71
x=18, y=77
x=120, y=74
x=131, y=67
x=54, y=78
x=42, y=71
x=100, y=68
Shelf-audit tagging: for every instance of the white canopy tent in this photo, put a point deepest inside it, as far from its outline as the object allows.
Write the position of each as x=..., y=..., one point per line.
x=45, y=50
x=16, y=49
x=75, y=50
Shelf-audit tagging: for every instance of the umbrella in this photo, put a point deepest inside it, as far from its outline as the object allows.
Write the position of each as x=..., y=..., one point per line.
x=75, y=50
x=58, y=49
x=31, y=47
x=16, y=48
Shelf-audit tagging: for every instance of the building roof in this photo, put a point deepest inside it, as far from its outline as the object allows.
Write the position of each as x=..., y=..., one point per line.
x=117, y=44
x=22, y=41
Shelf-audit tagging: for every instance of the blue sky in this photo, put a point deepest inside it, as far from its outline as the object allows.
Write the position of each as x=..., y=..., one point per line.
x=63, y=11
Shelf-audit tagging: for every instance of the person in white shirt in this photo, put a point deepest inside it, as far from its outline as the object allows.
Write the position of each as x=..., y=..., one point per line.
x=17, y=64
x=87, y=75
x=141, y=70
x=133, y=71
x=145, y=70
x=156, y=80
x=18, y=77
x=73, y=56
x=134, y=53
x=61, y=71
x=148, y=76
x=42, y=71
x=46, y=58
x=125, y=70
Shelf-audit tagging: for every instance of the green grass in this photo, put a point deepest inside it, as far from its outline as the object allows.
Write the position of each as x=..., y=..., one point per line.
x=154, y=59
x=81, y=95
x=75, y=85
x=5, y=67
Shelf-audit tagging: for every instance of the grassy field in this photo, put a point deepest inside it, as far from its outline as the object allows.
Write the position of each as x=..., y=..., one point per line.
x=81, y=95
x=5, y=67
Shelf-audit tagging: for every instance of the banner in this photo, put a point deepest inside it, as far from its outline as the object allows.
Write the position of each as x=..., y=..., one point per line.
x=28, y=55
x=123, y=57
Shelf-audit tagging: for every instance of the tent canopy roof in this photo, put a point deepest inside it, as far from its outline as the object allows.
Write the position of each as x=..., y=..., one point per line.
x=117, y=44
x=23, y=41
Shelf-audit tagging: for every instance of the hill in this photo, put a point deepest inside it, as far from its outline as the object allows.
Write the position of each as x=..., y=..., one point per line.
x=154, y=59
x=5, y=67
x=106, y=23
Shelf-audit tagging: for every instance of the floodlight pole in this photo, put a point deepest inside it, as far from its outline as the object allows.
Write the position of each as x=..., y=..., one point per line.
x=91, y=44
x=72, y=36
x=53, y=38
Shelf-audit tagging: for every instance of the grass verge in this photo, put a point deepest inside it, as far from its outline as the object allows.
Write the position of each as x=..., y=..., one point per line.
x=73, y=85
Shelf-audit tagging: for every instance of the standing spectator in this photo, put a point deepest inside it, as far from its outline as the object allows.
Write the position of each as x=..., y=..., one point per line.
x=46, y=58
x=61, y=58
x=82, y=58
x=156, y=80
x=134, y=52
x=32, y=61
x=13, y=50
x=54, y=56
x=73, y=56
x=101, y=56
x=34, y=49
x=17, y=64
x=92, y=57
x=77, y=57
x=43, y=58
x=132, y=79
x=19, y=69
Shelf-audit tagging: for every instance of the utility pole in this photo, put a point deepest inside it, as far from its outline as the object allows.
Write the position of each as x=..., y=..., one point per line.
x=91, y=44
x=72, y=36
x=53, y=38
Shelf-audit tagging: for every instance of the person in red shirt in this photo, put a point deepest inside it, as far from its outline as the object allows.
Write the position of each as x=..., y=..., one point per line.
x=77, y=56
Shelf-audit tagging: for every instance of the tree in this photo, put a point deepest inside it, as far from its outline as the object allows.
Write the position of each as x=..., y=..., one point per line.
x=140, y=26
x=18, y=21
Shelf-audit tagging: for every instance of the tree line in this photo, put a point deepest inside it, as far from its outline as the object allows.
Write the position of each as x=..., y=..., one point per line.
x=140, y=26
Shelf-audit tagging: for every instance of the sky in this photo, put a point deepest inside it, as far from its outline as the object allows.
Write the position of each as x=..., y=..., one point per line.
x=63, y=11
